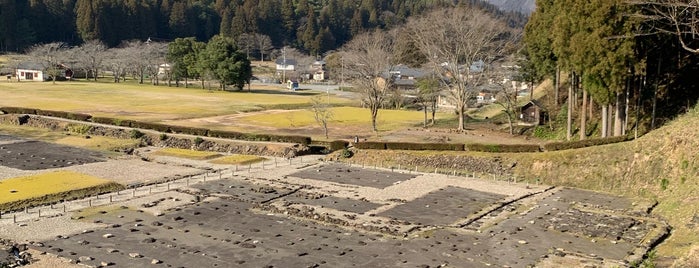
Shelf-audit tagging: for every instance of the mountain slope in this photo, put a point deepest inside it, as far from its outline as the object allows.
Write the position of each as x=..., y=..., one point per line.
x=523, y=6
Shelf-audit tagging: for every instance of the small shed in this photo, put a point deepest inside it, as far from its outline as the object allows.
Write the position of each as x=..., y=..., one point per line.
x=533, y=113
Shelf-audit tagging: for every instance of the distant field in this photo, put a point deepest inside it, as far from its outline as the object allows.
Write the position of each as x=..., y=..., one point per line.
x=346, y=122
x=147, y=102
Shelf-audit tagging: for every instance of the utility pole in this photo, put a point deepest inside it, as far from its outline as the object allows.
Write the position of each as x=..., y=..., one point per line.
x=284, y=65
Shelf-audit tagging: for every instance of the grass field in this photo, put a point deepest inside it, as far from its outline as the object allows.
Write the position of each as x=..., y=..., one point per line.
x=147, y=102
x=35, y=186
x=189, y=154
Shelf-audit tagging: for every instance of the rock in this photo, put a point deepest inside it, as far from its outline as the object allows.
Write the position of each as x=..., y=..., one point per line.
x=85, y=258
x=106, y=263
x=135, y=255
x=112, y=250
x=108, y=235
x=522, y=242
x=155, y=261
x=148, y=240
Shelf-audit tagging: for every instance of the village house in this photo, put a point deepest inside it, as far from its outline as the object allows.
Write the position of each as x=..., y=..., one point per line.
x=32, y=71
x=533, y=113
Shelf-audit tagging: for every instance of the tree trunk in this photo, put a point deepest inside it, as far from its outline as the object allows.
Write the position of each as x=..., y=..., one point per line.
x=639, y=97
x=460, y=110
x=590, y=105
x=186, y=82
x=374, y=114
x=605, y=117
x=583, y=118
x=509, y=121
x=619, y=114
x=424, y=123
x=434, y=110
x=569, y=123
x=626, y=107
x=610, y=119
x=556, y=83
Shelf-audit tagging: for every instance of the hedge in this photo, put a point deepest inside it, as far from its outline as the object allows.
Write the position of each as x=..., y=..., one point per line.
x=338, y=145
x=226, y=134
x=503, y=148
x=151, y=126
x=59, y=114
x=424, y=146
x=189, y=130
x=375, y=145
x=17, y=110
x=258, y=137
x=557, y=146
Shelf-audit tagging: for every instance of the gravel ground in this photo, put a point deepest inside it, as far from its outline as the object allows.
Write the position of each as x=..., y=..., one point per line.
x=134, y=171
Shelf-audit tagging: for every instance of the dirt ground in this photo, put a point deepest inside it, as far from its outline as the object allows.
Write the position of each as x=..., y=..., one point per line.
x=309, y=213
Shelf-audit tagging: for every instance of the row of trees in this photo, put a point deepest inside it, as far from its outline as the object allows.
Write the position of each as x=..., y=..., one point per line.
x=219, y=59
x=314, y=26
x=616, y=53
x=447, y=40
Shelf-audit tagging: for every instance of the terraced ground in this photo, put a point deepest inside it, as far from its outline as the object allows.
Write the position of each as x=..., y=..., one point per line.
x=305, y=212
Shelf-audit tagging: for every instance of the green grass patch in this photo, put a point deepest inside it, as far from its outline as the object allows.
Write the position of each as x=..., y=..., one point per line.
x=188, y=154
x=20, y=192
x=88, y=214
x=238, y=159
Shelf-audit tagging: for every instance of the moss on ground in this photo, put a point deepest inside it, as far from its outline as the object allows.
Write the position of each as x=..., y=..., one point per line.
x=238, y=159
x=188, y=154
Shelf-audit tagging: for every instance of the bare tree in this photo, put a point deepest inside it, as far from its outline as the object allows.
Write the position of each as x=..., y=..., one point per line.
x=50, y=56
x=155, y=53
x=506, y=98
x=676, y=17
x=117, y=62
x=460, y=44
x=428, y=90
x=368, y=62
x=322, y=113
x=263, y=44
x=91, y=56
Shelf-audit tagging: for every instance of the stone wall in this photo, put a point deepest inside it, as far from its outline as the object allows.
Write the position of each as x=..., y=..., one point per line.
x=153, y=138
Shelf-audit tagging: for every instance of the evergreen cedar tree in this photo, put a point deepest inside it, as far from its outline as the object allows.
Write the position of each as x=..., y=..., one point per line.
x=309, y=25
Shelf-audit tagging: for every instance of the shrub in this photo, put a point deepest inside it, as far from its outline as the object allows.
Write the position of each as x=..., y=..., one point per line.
x=79, y=116
x=152, y=126
x=198, y=141
x=189, y=130
x=226, y=134
x=424, y=146
x=346, y=153
x=102, y=120
x=135, y=134
x=374, y=145
x=557, y=146
x=338, y=145
x=163, y=137
x=17, y=110
x=503, y=148
x=79, y=128
x=59, y=114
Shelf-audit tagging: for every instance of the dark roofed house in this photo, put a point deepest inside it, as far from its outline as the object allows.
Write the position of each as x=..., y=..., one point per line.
x=533, y=113
x=286, y=64
x=405, y=78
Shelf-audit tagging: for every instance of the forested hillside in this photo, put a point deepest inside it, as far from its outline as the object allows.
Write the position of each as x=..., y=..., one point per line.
x=313, y=26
